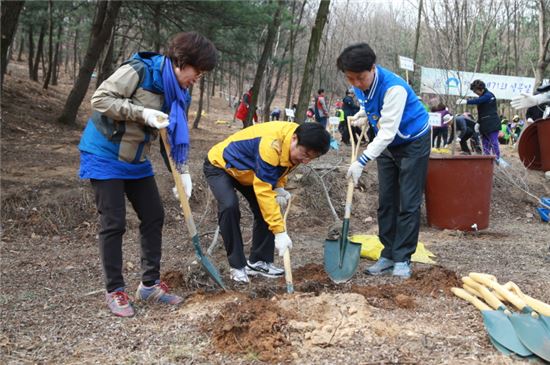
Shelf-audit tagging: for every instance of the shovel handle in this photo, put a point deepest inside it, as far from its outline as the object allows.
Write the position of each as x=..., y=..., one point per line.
x=472, y=291
x=537, y=305
x=510, y=297
x=286, y=256
x=489, y=297
x=179, y=187
x=462, y=294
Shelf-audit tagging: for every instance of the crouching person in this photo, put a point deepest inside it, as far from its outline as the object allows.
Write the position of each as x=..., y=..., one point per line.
x=256, y=162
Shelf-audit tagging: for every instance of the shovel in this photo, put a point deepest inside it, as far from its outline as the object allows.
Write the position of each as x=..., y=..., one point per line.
x=542, y=308
x=530, y=329
x=206, y=264
x=496, y=322
x=341, y=256
x=286, y=257
x=494, y=326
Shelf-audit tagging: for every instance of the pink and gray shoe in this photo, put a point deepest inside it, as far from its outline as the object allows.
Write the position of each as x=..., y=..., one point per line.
x=119, y=303
x=158, y=293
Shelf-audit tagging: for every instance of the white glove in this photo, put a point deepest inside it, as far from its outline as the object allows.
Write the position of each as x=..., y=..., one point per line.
x=282, y=242
x=187, y=186
x=458, y=139
x=282, y=197
x=461, y=102
x=476, y=128
x=525, y=100
x=359, y=119
x=154, y=118
x=355, y=170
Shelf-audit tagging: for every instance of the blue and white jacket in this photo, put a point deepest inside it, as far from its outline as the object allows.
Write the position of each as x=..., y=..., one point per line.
x=393, y=110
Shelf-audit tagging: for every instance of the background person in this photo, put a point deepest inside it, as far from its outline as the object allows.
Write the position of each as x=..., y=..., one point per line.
x=321, y=109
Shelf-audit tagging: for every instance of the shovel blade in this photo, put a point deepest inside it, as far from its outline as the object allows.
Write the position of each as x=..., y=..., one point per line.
x=500, y=329
x=341, y=262
x=533, y=334
x=206, y=264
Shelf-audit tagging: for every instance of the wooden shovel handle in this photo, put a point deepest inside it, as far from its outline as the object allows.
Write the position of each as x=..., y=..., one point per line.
x=286, y=255
x=537, y=305
x=489, y=297
x=461, y=293
x=510, y=297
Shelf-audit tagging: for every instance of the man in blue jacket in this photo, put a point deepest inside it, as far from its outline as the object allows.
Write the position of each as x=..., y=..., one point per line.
x=401, y=147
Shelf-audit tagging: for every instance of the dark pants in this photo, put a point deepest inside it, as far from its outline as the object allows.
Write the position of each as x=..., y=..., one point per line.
x=490, y=145
x=344, y=132
x=223, y=187
x=439, y=134
x=111, y=206
x=401, y=179
x=464, y=140
x=323, y=121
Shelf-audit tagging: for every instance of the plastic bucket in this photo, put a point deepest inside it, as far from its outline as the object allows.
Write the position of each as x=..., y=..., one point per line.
x=458, y=191
x=543, y=131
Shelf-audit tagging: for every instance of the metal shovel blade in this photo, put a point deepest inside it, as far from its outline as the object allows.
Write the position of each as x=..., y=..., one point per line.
x=501, y=330
x=341, y=256
x=532, y=333
x=206, y=264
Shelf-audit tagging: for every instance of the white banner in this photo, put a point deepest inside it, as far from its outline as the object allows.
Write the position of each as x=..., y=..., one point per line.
x=434, y=119
x=406, y=63
x=450, y=82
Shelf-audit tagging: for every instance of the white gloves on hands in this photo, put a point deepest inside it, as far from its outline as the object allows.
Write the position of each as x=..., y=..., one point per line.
x=187, y=186
x=525, y=100
x=282, y=242
x=359, y=119
x=458, y=139
x=282, y=197
x=461, y=102
x=154, y=118
x=476, y=128
x=355, y=170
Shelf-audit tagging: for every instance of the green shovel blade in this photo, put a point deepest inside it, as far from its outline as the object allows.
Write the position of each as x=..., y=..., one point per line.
x=501, y=330
x=206, y=264
x=532, y=333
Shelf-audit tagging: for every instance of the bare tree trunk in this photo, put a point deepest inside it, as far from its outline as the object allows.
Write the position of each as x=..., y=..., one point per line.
x=48, y=74
x=417, y=36
x=102, y=27
x=200, y=103
x=21, y=48
x=292, y=43
x=31, y=50
x=311, y=59
x=56, y=58
x=544, y=41
x=75, y=51
x=106, y=64
x=268, y=45
x=9, y=19
x=39, y=51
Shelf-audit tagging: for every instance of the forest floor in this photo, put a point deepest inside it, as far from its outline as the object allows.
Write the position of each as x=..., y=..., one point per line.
x=52, y=301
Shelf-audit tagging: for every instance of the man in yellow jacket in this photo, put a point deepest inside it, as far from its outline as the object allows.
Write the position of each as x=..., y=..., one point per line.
x=256, y=161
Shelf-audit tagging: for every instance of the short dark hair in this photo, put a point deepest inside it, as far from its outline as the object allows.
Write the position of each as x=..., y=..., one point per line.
x=320, y=91
x=191, y=48
x=477, y=85
x=356, y=58
x=313, y=136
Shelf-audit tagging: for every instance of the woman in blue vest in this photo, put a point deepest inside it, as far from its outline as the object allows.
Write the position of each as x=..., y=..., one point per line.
x=129, y=109
x=401, y=148
x=487, y=119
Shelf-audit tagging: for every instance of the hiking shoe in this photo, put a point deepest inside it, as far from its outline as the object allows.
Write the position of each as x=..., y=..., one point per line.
x=158, y=293
x=263, y=268
x=381, y=267
x=402, y=270
x=239, y=275
x=119, y=303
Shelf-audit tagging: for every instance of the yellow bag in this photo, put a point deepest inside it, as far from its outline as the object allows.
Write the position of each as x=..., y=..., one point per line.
x=371, y=248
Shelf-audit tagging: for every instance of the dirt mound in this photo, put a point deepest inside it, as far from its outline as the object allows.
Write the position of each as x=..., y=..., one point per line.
x=434, y=281
x=257, y=328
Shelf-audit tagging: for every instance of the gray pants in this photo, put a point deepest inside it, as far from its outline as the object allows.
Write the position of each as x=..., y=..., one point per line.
x=224, y=188
x=401, y=178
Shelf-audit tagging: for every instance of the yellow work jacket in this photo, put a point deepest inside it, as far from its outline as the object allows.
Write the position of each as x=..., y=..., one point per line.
x=259, y=156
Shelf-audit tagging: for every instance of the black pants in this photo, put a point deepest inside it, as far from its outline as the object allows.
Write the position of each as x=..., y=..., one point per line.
x=344, y=132
x=401, y=179
x=223, y=187
x=439, y=135
x=464, y=140
x=111, y=206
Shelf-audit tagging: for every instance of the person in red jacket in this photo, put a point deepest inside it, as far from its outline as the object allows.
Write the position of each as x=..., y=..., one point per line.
x=244, y=106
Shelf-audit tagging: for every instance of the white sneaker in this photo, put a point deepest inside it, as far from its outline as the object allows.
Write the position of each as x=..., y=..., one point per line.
x=239, y=275
x=263, y=268
x=500, y=162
